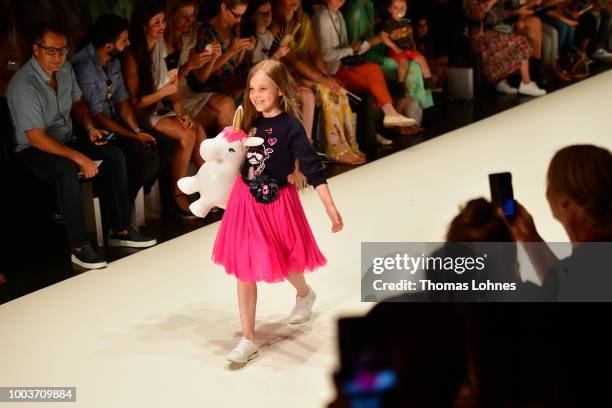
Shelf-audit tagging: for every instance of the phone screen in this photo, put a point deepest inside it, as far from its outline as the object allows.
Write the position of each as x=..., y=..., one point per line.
x=502, y=193
x=110, y=136
x=367, y=376
x=200, y=46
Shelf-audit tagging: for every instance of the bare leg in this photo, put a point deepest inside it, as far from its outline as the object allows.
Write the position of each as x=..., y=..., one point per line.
x=218, y=112
x=247, y=305
x=402, y=69
x=307, y=100
x=424, y=66
x=525, y=78
x=531, y=27
x=185, y=139
x=299, y=283
x=200, y=135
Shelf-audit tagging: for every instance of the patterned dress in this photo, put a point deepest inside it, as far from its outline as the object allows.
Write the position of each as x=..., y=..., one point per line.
x=228, y=79
x=501, y=53
x=340, y=137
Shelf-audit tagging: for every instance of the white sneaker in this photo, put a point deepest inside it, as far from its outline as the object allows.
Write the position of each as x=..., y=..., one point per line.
x=504, y=87
x=383, y=140
x=398, y=121
x=245, y=350
x=602, y=55
x=303, y=308
x=531, y=89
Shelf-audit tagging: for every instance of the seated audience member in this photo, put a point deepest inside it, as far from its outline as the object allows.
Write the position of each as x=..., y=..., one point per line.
x=330, y=29
x=579, y=193
x=308, y=68
x=98, y=73
x=502, y=53
x=256, y=23
x=403, y=49
x=593, y=29
x=362, y=25
x=561, y=15
x=154, y=91
x=526, y=22
x=41, y=96
x=223, y=27
x=211, y=109
x=601, y=32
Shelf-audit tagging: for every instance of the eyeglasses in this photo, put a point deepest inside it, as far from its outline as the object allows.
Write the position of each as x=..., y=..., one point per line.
x=53, y=51
x=236, y=15
x=109, y=90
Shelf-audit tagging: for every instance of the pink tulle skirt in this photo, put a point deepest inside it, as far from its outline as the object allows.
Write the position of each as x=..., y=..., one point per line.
x=265, y=242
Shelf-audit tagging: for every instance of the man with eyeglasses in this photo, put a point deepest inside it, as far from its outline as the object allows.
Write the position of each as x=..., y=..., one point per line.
x=98, y=73
x=42, y=95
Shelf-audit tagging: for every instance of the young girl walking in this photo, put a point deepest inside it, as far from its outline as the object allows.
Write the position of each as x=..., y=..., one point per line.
x=264, y=234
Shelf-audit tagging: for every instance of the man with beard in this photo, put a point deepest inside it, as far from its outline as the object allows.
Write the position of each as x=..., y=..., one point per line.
x=98, y=72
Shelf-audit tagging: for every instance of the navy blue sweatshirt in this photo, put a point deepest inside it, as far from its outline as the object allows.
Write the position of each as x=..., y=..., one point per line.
x=284, y=140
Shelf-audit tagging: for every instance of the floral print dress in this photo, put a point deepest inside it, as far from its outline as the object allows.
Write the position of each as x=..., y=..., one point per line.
x=501, y=53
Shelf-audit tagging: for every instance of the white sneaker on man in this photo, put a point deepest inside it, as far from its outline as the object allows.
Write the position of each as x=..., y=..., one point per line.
x=531, y=89
x=602, y=55
x=504, y=87
x=303, y=308
x=245, y=350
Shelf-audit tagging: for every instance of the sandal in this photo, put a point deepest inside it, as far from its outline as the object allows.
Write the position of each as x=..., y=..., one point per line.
x=350, y=158
x=411, y=131
x=561, y=74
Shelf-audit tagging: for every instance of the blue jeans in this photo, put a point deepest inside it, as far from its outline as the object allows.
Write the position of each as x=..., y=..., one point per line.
x=566, y=33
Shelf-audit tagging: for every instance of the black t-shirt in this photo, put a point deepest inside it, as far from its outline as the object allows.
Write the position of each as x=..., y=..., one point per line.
x=406, y=41
x=284, y=141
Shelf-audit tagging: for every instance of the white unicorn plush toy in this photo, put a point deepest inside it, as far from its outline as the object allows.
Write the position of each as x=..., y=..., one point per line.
x=223, y=156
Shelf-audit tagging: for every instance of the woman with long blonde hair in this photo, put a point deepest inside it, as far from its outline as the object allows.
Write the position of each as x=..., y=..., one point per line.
x=264, y=213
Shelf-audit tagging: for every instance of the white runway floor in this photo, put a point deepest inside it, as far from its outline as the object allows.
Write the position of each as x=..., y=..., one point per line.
x=153, y=329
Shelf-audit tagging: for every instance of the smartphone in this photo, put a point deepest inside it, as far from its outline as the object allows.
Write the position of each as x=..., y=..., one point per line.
x=109, y=137
x=201, y=46
x=367, y=376
x=502, y=194
x=80, y=173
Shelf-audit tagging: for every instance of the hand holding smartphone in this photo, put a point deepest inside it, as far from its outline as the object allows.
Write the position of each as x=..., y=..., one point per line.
x=80, y=173
x=502, y=194
x=109, y=137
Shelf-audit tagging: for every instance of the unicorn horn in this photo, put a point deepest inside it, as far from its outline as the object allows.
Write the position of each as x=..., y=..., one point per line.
x=237, y=124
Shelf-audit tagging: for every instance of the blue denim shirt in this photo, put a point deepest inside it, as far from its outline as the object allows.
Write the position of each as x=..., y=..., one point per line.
x=35, y=105
x=93, y=79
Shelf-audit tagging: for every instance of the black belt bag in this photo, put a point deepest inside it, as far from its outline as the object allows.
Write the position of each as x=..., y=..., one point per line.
x=264, y=188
